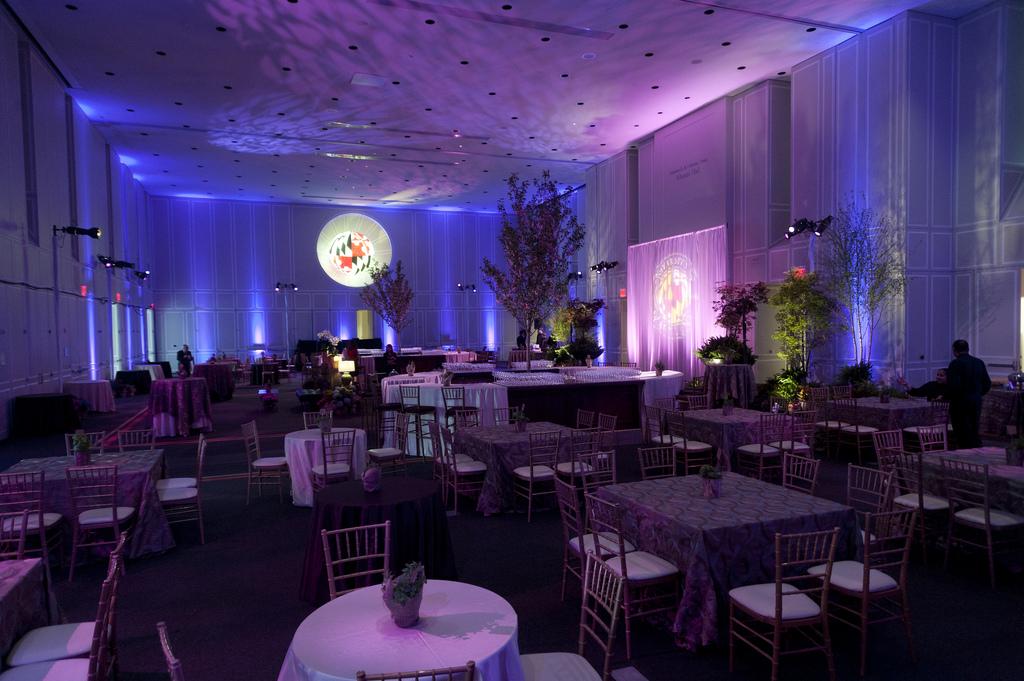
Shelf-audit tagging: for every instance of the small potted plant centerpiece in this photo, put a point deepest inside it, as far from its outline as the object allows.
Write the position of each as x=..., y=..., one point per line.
x=403, y=594
x=325, y=424
x=711, y=481
x=410, y=368
x=519, y=420
x=80, y=445
x=659, y=368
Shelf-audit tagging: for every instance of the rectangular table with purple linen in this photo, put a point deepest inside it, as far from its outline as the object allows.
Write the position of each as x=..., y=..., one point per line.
x=180, y=405
x=26, y=601
x=720, y=544
x=137, y=473
x=503, y=449
x=893, y=415
x=724, y=432
x=1006, y=482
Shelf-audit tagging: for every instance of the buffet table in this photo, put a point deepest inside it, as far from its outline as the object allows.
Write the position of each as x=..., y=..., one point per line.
x=180, y=405
x=97, y=394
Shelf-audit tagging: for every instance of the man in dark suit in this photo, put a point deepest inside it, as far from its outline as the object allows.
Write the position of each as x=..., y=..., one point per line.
x=185, y=360
x=967, y=382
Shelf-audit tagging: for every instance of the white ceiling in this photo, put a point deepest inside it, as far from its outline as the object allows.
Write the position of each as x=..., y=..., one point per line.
x=240, y=99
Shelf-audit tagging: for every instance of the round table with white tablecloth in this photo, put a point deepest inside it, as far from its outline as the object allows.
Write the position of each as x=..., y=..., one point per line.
x=458, y=622
x=97, y=394
x=419, y=378
x=303, y=448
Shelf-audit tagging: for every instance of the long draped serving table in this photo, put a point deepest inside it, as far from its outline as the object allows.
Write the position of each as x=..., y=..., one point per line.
x=97, y=394
x=720, y=544
x=180, y=405
x=735, y=381
x=26, y=600
x=137, y=473
x=503, y=449
x=354, y=632
x=484, y=396
x=43, y=413
x=419, y=528
x=724, y=431
x=1006, y=482
x=895, y=414
x=558, y=402
x=304, y=448
x=220, y=379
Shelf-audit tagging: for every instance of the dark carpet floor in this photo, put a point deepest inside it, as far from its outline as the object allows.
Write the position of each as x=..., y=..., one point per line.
x=232, y=605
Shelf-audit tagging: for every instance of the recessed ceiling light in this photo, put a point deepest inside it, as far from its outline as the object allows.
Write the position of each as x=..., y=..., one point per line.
x=623, y=26
x=429, y=22
x=396, y=82
x=588, y=55
x=545, y=39
x=812, y=29
x=506, y=7
x=655, y=87
x=353, y=47
x=579, y=103
x=726, y=44
x=286, y=68
x=428, y=109
x=565, y=75
x=781, y=73
x=221, y=29
x=648, y=54
x=709, y=11
x=740, y=68
x=131, y=110
x=179, y=104
x=71, y=7
x=227, y=87
x=109, y=73
x=161, y=53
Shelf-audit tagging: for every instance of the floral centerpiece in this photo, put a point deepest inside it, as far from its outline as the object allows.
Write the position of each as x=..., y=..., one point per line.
x=371, y=479
x=80, y=445
x=341, y=398
x=711, y=481
x=329, y=340
x=519, y=420
x=403, y=594
x=659, y=368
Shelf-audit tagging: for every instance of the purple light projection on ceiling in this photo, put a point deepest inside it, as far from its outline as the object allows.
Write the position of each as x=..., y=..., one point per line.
x=408, y=103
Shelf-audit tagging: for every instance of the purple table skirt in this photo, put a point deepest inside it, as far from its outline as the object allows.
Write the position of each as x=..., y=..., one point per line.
x=137, y=473
x=720, y=544
x=220, y=379
x=180, y=405
x=26, y=601
x=503, y=449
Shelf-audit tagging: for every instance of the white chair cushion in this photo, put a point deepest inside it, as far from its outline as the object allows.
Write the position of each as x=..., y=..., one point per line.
x=384, y=453
x=668, y=440
x=641, y=566
x=332, y=469
x=471, y=466
x=557, y=667
x=849, y=575
x=760, y=599
x=270, y=462
x=172, y=483
x=76, y=669
x=608, y=541
x=931, y=503
x=766, y=450
x=859, y=429
x=52, y=643
x=574, y=467
x=539, y=472
x=791, y=446
x=693, y=446
x=464, y=458
x=95, y=516
x=49, y=520
x=177, y=494
x=835, y=425
x=976, y=516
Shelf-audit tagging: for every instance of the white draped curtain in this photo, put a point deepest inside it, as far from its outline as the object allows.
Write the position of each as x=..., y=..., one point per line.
x=671, y=290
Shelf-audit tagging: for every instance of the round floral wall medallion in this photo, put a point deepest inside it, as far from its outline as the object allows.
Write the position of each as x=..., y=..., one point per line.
x=349, y=246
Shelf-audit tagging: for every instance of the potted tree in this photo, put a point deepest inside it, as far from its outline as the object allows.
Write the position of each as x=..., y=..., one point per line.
x=390, y=295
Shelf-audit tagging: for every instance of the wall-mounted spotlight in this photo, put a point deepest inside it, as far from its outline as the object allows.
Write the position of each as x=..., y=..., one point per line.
x=142, y=275
x=604, y=266
x=124, y=265
x=287, y=287
x=91, y=232
x=807, y=225
x=466, y=287
x=575, y=276
x=105, y=261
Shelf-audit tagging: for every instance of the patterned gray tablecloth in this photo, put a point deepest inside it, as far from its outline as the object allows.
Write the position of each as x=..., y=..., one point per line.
x=503, y=449
x=137, y=473
x=894, y=415
x=720, y=544
x=730, y=380
x=1006, y=482
x=26, y=601
x=724, y=432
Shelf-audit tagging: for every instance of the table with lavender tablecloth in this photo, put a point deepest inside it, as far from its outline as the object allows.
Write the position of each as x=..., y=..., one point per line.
x=895, y=414
x=724, y=431
x=503, y=449
x=97, y=394
x=137, y=473
x=220, y=379
x=26, y=601
x=1000, y=409
x=179, y=405
x=735, y=381
x=720, y=544
x=1006, y=482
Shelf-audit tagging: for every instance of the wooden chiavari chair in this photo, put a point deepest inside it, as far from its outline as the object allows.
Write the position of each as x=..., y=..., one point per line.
x=910, y=493
x=356, y=556
x=654, y=425
x=931, y=439
x=13, y=531
x=462, y=475
x=802, y=431
x=581, y=441
x=761, y=459
x=454, y=398
x=696, y=402
x=800, y=473
x=93, y=491
x=585, y=419
x=650, y=583
x=761, y=615
x=25, y=492
x=337, y=448
x=466, y=672
x=869, y=490
x=841, y=392
x=185, y=504
x=173, y=663
x=692, y=454
x=533, y=480
x=856, y=434
x=263, y=470
x=884, y=574
x=465, y=417
x=311, y=419
x=601, y=471
x=938, y=417
x=128, y=440
x=420, y=414
x=888, y=444
x=973, y=522
x=393, y=459
x=657, y=462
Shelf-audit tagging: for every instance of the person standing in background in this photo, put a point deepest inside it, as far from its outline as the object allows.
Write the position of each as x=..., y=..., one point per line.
x=185, y=361
x=967, y=381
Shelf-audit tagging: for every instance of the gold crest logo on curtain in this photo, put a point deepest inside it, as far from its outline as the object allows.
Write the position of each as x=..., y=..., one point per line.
x=672, y=286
